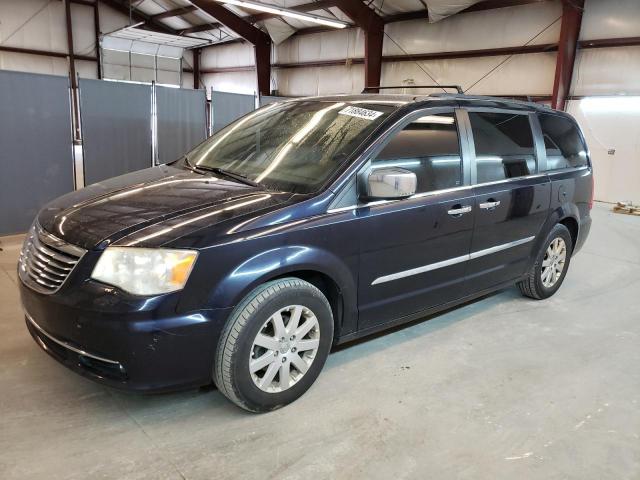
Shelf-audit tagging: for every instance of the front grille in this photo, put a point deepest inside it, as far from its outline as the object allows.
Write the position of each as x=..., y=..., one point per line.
x=46, y=261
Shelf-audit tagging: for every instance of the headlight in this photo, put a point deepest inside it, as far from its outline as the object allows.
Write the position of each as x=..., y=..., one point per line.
x=145, y=271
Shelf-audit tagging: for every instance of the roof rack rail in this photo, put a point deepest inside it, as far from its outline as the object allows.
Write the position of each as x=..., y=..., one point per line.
x=457, y=88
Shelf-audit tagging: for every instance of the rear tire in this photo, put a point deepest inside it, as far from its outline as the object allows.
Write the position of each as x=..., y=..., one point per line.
x=550, y=267
x=274, y=345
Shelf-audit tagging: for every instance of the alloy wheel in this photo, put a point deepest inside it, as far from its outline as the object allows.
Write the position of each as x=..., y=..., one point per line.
x=553, y=262
x=284, y=348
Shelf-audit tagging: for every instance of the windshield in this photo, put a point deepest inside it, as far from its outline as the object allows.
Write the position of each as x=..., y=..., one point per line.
x=292, y=146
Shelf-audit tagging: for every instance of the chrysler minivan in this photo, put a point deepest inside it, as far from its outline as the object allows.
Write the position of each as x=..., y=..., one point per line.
x=302, y=225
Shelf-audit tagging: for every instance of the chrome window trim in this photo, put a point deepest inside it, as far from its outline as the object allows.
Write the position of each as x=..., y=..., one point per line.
x=412, y=197
x=451, y=261
x=66, y=345
x=508, y=180
x=567, y=170
x=455, y=189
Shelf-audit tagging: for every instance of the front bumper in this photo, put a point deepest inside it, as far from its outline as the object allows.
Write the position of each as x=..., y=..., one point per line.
x=123, y=341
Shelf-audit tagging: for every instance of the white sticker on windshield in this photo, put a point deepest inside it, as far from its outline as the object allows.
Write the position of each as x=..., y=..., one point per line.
x=360, y=113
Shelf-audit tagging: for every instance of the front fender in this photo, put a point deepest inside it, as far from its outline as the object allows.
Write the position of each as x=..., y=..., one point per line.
x=278, y=262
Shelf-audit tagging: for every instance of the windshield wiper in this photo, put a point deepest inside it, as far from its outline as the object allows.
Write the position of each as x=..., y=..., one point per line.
x=221, y=171
x=190, y=165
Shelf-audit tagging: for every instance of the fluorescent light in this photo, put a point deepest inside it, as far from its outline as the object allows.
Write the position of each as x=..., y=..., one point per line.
x=286, y=12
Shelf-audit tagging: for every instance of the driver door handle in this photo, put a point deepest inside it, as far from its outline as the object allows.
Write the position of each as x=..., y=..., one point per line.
x=459, y=210
x=489, y=205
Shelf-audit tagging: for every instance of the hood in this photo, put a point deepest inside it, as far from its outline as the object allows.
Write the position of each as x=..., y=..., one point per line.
x=109, y=211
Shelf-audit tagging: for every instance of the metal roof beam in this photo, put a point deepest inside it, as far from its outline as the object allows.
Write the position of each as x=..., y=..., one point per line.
x=260, y=40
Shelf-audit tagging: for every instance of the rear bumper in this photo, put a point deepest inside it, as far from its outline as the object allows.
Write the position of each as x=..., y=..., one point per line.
x=125, y=342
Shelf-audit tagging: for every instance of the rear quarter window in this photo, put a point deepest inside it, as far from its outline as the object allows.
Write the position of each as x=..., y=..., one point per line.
x=563, y=143
x=504, y=145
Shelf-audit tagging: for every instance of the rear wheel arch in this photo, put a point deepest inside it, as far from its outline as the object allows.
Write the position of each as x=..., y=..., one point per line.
x=574, y=227
x=533, y=284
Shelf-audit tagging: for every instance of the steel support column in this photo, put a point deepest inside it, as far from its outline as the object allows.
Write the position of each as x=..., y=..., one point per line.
x=263, y=67
x=373, y=27
x=373, y=57
x=96, y=27
x=196, y=68
x=72, y=69
x=569, y=33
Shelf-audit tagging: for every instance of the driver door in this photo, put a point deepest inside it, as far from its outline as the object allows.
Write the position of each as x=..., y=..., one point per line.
x=414, y=251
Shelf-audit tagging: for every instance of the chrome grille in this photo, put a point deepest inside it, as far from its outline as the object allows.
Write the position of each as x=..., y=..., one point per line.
x=46, y=261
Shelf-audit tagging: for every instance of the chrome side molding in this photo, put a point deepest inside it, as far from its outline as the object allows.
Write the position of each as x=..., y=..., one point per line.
x=451, y=261
x=418, y=270
x=499, y=248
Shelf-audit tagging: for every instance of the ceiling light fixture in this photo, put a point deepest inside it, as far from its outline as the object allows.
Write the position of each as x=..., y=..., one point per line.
x=286, y=12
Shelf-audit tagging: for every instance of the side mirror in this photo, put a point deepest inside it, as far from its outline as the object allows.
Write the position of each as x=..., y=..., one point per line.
x=388, y=183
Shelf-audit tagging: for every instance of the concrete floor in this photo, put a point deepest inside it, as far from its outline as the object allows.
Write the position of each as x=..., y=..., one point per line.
x=504, y=388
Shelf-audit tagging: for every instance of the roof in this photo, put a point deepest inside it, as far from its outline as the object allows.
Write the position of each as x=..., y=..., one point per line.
x=403, y=99
x=364, y=97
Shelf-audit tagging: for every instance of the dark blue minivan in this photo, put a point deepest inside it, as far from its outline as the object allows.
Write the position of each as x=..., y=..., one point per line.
x=302, y=225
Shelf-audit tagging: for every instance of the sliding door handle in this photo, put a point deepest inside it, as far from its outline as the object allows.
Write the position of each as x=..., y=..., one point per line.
x=459, y=210
x=489, y=205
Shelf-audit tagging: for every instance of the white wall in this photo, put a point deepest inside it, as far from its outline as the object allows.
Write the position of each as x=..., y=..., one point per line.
x=612, y=129
x=610, y=124
x=46, y=30
x=233, y=55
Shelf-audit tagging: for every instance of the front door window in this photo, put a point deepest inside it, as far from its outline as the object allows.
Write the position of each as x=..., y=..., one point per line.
x=429, y=147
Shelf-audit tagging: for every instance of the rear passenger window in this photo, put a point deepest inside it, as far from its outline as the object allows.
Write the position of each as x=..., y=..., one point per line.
x=429, y=147
x=563, y=142
x=504, y=145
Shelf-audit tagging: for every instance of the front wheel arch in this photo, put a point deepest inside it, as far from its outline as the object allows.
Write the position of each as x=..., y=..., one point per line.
x=328, y=286
x=330, y=274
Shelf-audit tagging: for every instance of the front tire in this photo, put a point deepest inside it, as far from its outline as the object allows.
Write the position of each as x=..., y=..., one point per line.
x=552, y=262
x=274, y=345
